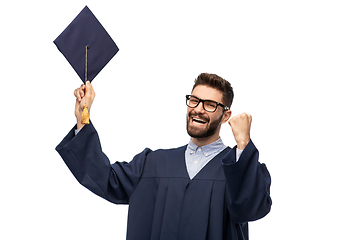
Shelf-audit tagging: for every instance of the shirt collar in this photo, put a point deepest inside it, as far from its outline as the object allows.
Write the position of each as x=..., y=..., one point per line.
x=207, y=150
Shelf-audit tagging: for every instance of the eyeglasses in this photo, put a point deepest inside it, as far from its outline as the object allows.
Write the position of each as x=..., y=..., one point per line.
x=208, y=105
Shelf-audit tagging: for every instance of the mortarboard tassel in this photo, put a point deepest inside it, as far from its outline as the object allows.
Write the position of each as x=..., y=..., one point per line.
x=85, y=117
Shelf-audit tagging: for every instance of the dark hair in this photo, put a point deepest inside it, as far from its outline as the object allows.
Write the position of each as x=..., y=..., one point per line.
x=216, y=82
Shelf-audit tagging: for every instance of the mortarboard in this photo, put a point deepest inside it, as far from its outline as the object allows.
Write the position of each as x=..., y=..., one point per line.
x=86, y=45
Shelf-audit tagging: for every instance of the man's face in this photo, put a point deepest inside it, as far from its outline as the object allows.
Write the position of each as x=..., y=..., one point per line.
x=203, y=124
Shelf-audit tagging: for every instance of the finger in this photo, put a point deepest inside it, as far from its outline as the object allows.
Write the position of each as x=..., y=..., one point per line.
x=82, y=91
x=89, y=87
x=230, y=122
x=77, y=94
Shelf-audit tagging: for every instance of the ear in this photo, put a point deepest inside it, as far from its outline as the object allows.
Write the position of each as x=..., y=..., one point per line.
x=226, y=116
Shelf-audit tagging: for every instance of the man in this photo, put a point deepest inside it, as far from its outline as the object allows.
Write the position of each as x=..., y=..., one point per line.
x=203, y=190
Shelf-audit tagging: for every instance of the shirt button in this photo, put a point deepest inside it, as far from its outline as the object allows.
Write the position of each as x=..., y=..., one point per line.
x=199, y=150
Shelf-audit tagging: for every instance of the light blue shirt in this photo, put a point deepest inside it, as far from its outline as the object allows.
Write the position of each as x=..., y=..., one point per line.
x=197, y=157
x=76, y=131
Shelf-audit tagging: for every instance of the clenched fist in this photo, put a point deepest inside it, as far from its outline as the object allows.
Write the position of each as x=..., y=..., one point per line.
x=83, y=94
x=241, y=125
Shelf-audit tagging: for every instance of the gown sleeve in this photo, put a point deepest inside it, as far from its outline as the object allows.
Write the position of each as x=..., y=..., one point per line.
x=248, y=183
x=91, y=167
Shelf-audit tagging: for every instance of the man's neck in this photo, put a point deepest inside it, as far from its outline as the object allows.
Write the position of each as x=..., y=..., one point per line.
x=200, y=142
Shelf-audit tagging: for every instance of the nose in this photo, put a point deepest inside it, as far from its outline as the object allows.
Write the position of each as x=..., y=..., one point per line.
x=199, y=108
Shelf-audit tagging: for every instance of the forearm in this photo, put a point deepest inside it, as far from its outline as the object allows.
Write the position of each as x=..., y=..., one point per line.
x=248, y=183
x=84, y=158
x=91, y=167
x=79, y=125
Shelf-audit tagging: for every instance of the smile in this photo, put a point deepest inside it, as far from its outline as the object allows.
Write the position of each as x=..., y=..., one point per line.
x=198, y=120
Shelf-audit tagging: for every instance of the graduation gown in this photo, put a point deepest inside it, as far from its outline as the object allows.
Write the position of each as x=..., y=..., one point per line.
x=163, y=202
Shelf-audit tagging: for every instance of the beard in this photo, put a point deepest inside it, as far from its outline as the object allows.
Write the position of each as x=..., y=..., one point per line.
x=209, y=129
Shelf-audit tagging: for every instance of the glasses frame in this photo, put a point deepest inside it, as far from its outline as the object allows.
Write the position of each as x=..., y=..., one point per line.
x=202, y=101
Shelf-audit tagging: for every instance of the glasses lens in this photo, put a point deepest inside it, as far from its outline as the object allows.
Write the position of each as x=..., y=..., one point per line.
x=210, y=106
x=192, y=101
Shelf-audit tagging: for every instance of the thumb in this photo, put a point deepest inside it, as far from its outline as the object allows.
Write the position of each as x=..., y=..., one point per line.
x=87, y=84
x=89, y=87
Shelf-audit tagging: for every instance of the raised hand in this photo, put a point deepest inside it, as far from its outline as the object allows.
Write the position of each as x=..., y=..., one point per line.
x=84, y=93
x=241, y=125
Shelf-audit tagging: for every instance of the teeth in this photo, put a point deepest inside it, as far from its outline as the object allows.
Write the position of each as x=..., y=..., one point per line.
x=199, y=120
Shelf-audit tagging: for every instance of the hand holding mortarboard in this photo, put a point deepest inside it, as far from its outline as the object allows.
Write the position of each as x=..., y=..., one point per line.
x=81, y=99
x=87, y=47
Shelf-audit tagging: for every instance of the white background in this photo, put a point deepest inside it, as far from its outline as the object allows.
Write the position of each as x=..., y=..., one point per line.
x=283, y=58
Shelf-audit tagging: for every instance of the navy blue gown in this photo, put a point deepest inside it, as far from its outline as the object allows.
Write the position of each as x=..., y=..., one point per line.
x=164, y=203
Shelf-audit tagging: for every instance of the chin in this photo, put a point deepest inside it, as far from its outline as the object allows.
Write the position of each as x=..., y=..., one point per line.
x=200, y=133
x=208, y=130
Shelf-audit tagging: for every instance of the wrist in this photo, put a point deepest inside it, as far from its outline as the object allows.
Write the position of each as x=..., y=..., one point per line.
x=79, y=125
x=242, y=144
